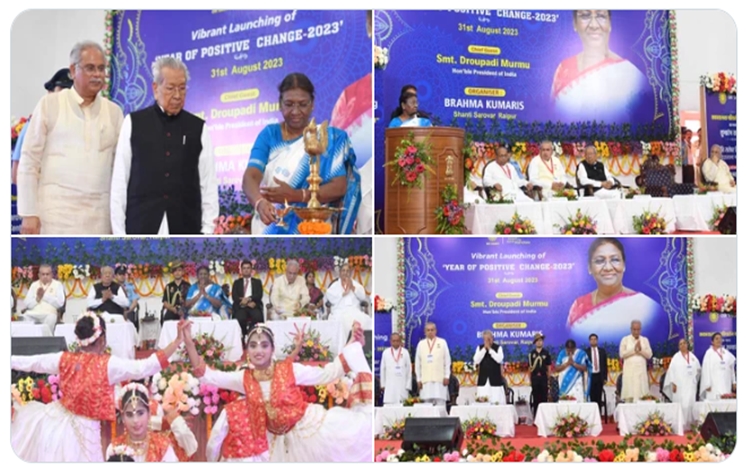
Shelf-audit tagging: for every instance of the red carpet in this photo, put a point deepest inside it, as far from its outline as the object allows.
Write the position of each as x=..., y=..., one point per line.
x=527, y=435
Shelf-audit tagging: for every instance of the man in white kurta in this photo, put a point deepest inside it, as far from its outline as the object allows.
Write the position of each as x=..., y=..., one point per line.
x=44, y=299
x=289, y=292
x=433, y=367
x=395, y=372
x=502, y=176
x=593, y=172
x=65, y=171
x=635, y=351
x=718, y=376
x=546, y=171
x=345, y=297
x=681, y=381
x=717, y=171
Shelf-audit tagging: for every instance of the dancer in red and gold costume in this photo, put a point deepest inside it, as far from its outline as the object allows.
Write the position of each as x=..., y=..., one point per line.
x=274, y=422
x=70, y=430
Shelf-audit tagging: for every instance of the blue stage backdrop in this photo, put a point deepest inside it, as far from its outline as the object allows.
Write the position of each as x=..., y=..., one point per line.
x=236, y=61
x=526, y=66
x=383, y=329
x=517, y=287
x=721, y=125
x=706, y=324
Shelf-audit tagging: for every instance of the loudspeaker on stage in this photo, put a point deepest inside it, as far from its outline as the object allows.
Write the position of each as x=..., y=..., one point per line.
x=432, y=433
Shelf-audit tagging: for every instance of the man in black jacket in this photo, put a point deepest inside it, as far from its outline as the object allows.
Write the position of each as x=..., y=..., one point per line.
x=598, y=358
x=247, y=299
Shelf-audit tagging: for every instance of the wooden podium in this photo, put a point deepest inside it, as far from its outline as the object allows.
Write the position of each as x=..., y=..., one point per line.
x=412, y=210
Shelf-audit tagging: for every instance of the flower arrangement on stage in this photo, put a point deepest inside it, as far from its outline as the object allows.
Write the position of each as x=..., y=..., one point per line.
x=411, y=401
x=721, y=82
x=654, y=425
x=729, y=396
x=461, y=367
x=313, y=350
x=380, y=56
x=209, y=348
x=495, y=197
x=567, y=398
x=567, y=193
x=233, y=224
x=579, y=223
x=516, y=367
x=395, y=431
x=719, y=213
x=383, y=305
x=233, y=204
x=562, y=456
x=44, y=389
x=201, y=314
x=570, y=426
x=614, y=365
x=314, y=227
x=411, y=160
x=630, y=193
x=177, y=389
x=211, y=399
x=480, y=399
x=516, y=225
x=16, y=126
x=704, y=189
x=75, y=347
x=478, y=429
x=333, y=394
x=450, y=214
x=338, y=391
x=649, y=398
x=714, y=303
x=649, y=223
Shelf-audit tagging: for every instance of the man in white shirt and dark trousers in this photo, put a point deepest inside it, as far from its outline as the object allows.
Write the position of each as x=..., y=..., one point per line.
x=164, y=179
x=107, y=296
x=44, y=299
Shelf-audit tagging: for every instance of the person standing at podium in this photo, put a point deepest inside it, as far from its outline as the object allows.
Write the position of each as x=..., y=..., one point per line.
x=404, y=90
x=409, y=117
x=432, y=367
x=489, y=358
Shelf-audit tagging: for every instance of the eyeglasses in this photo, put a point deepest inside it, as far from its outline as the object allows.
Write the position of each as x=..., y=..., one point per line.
x=302, y=106
x=601, y=17
x=91, y=69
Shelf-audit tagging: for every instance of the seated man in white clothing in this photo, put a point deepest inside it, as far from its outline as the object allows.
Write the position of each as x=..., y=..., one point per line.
x=592, y=172
x=345, y=297
x=44, y=299
x=501, y=178
x=717, y=171
x=546, y=171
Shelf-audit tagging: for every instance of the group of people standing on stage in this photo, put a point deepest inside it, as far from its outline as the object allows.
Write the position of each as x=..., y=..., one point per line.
x=270, y=422
x=84, y=168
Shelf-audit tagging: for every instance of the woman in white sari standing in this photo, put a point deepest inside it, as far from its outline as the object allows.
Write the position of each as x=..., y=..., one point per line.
x=278, y=168
x=718, y=376
x=681, y=381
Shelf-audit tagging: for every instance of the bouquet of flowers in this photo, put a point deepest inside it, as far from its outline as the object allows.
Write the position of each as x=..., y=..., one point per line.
x=394, y=432
x=209, y=348
x=380, y=56
x=478, y=429
x=578, y=224
x=729, y=396
x=495, y=197
x=211, y=398
x=450, y=215
x=411, y=401
x=714, y=303
x=338, y=391
x=654, y=425
x=480, y=399
x=382, y=304
x=570, y=426
x=201, y=314
x=719, y=213
x=567, y=398
x=177, y=389
x=411, y=161
x=649, y=398
x=312, y=348
x=720, y=83
x=41, y=389
x=649, y=223
x=516, y=225
x=567, y=193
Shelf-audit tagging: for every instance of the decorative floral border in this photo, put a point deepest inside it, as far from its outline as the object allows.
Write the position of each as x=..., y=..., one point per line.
x=109, y=19
x=675, y=70
x=691, y=289
x=401, y=287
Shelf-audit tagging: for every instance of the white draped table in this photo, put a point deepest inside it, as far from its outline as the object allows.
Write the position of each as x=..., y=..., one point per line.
x=695, y=212
x=548, y=413
x=558, y=212
x=481, y=218
x=228, y=332
x=503, y=416
x=23, y=329
x=121, y=337
x=387, y=415
x=629, y=415
x=330, y=332
x=623, y=211
x=702, y=409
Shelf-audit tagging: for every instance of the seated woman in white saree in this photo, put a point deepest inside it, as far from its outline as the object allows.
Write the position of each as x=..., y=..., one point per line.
x=571, y=364
x=280, y=425
x=681, y=381
x=718, y=376
x=610, y=308
x=597, y=84
x=69, y=430
x=715, y=170
x=205, y=298
x=279, y=166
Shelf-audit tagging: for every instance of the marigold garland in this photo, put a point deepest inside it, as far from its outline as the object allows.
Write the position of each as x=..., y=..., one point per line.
x=314, y=227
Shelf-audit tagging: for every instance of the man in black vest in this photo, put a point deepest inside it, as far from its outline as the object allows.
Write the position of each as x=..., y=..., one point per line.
x=164, y=179
x=593, y=175
x=489, y=358
x=107, y=296
x=598, y=358
x=247, y=299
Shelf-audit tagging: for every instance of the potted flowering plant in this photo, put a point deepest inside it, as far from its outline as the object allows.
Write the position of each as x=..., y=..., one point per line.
x=570, y=426
x=395, y=431
x=579, y=223
x=411, y=401
x=450, y=214
x=209, y=348
x=312, y=350
x=567, y=193
x=654, y=425
x=649, y=223
x=516, y=225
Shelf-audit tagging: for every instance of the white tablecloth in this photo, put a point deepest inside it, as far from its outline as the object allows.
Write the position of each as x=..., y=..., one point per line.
x=702, y=409
x=558, y=212
x=623, y=211
x=694, y=212
x=22, y=329
x=628, y=415
x=121, y=337
x=548, y=413
x=228, y=332
x=503, y=416
x=331, y=333
x=387, y=415
x=482, y=218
